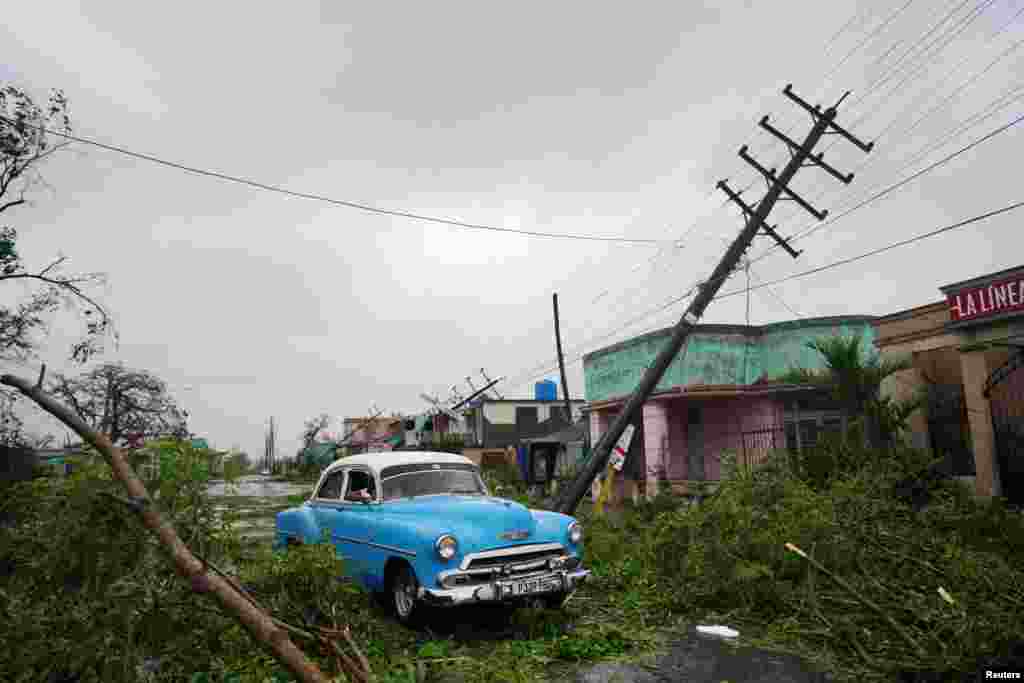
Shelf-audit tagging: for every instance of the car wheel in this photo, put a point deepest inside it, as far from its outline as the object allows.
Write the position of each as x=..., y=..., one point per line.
x=402, y=590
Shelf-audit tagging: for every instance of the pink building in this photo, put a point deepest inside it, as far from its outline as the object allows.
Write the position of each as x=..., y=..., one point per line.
x=716, y=398
x=683, y=432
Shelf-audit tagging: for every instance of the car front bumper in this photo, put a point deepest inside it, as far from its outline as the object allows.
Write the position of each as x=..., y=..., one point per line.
x=497, y=591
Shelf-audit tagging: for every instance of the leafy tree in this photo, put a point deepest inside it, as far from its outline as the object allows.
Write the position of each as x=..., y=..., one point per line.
x=854, y=376
x=25, y=144
x=122, y=403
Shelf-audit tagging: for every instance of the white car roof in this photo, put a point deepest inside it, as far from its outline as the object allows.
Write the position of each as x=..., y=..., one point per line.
x=378, y=461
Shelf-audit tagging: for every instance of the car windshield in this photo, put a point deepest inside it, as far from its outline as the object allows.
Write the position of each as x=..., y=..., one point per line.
x=432, y=482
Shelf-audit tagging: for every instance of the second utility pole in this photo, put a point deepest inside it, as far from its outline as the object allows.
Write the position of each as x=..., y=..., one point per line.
x=823, y=121
x=561, y=362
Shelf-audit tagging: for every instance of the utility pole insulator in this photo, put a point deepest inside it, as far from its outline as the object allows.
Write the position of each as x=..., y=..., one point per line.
x=833, y=127
x=771, y=178
x=749, y=212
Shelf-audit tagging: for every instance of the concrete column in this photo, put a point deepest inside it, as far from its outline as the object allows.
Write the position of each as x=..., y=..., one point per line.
x=976, y=369
x=656, y=433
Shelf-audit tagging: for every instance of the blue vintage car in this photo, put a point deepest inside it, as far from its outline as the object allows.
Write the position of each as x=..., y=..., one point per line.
x=421, y=528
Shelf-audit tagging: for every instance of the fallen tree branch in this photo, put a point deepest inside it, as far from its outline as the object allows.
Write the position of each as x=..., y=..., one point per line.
x=347, y=633
x=347, y=664
x=260, y=624
x=909, y=639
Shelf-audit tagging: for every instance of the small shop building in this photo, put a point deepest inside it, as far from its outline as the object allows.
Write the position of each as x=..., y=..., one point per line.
x=967, y=353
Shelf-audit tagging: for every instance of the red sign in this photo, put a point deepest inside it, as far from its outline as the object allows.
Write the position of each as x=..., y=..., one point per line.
x=1001, y=296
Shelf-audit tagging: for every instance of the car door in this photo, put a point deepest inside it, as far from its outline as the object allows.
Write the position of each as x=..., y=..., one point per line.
x=329, y=512
x=357, y=522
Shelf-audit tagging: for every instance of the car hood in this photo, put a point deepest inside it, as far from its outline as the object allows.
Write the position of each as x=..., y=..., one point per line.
x=477, y=521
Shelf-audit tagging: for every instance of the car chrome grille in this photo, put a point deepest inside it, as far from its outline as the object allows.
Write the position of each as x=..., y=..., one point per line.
x=505, y=563
x=529, y=557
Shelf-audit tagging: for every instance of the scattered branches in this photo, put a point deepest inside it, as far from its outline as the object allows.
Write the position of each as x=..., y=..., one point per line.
x=260, y=624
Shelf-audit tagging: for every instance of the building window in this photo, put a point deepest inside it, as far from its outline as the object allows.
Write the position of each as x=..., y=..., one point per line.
x=813, y=419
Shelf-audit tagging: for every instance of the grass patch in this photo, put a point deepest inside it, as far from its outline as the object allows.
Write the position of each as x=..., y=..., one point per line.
x=864, y=599
x=655, y=566
x=299, y=498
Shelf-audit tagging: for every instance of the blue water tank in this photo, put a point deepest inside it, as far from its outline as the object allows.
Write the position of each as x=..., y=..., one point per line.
x=546, y=390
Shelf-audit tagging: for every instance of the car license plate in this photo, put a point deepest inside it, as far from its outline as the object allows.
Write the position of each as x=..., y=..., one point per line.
x=529, y=586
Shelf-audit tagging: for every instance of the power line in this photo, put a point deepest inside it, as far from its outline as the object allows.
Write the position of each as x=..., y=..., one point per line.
x=903, y=132
x=663, y=251
x=340, y=202
x=952, y=33
x=955, y=69
x=762, y=147
x=1001, y=102
x=775, y=295
x=863, y=203
x=896, y=67
x=880, y=250
x=796, y=276
x=827, y=76
x=991, y=109
x=878, y=29
x=842, y=29
x=894, y=186
x=669, y=266
x=925, y=63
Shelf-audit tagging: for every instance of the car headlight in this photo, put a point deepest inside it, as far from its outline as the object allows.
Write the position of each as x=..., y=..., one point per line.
x=446, y=547
x=575, y=533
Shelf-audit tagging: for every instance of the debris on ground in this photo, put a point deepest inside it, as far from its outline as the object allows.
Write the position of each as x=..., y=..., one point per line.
x=720, y=631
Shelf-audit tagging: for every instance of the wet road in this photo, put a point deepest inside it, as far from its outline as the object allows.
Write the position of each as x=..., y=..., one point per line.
x=256, y=500
x=256, y=486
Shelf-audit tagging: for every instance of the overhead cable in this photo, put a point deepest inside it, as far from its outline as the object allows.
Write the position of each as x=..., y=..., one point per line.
x=813, y=271
x=342, y=202
x=892, y=188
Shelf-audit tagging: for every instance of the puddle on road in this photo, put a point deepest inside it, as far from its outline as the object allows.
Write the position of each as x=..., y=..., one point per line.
x=256, y=500
x=257, y=487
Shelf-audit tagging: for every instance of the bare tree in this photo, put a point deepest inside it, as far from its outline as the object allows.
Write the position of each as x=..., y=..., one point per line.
x=25, y=143
x=122, y=403
x=312, y=427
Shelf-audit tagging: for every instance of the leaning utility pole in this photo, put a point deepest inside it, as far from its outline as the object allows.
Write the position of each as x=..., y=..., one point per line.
x=490, y=383
x=824, y=122
x=561, y=361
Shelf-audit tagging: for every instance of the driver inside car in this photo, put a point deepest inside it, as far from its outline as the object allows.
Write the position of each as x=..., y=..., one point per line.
x=360, y=495
x=360, y=489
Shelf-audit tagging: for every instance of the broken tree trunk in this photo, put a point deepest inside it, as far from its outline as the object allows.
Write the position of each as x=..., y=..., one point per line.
x=260, y=624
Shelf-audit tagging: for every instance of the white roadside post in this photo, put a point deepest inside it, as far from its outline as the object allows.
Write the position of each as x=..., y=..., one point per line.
x=615, y=464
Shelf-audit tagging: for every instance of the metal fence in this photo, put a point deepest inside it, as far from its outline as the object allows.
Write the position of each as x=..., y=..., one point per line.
x=758, y=443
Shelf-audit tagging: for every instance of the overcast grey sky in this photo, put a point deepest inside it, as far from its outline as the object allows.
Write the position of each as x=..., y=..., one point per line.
x=571, y=117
